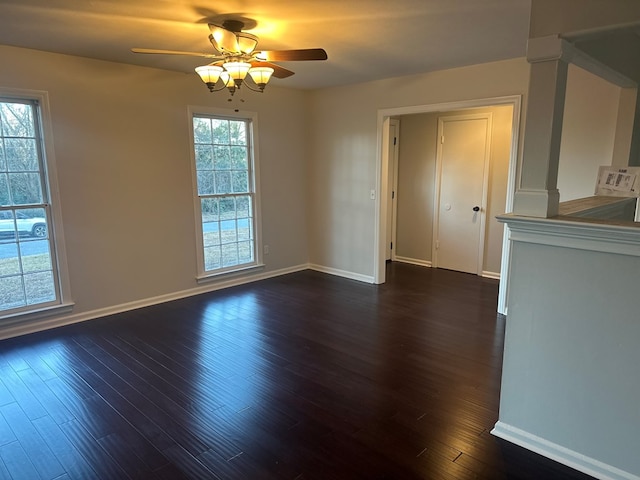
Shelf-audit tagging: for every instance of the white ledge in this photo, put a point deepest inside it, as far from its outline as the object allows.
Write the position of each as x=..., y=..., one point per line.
x=599, y=236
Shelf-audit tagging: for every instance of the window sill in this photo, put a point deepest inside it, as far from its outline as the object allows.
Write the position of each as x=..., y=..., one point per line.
x=229, y=274
x=35, y=314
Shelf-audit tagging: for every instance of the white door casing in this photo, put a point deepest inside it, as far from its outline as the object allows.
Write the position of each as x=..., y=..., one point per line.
x=460, y=203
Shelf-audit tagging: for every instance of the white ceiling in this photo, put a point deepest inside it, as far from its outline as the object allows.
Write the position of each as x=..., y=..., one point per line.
x=365, y=39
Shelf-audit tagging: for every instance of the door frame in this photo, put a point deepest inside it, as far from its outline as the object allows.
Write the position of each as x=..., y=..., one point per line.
x=485, y=184
x=382, y=180
x=393, y=187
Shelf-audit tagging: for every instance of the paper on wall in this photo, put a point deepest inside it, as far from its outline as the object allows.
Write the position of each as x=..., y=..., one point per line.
x=618, y=182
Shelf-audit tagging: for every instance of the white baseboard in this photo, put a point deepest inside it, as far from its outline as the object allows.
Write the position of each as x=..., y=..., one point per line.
x=494, y=275
x=16, y=329
x=412, y=261
x=560, y=454
x=342, y=273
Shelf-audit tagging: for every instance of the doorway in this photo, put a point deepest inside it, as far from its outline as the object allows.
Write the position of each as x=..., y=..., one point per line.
x=384, y=191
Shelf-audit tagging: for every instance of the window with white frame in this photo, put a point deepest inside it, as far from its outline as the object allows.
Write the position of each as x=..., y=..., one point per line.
x=30, y=277
x=224, y=167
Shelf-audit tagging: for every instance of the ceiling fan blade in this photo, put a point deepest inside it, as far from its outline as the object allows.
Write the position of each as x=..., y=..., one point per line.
x=292, y=55
x=278, y=71
x=175, y=52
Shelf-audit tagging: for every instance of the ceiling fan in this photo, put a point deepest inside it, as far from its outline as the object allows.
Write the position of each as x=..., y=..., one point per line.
x=236, y=57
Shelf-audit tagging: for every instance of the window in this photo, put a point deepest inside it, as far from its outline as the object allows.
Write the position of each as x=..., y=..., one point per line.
x=225, y=192
x=29, y=267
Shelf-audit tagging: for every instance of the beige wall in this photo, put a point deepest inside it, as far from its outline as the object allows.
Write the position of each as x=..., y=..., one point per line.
x=588, y=132
x=121, y=143
x=344, y=149
x=122, y=150
x=416, y=183
x=416, y=187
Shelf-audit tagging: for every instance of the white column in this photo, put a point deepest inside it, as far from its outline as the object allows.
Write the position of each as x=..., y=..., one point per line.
x=634, y=149
x=537, y=195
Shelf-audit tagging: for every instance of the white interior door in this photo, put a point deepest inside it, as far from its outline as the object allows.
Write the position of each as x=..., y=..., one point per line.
x=461, y=193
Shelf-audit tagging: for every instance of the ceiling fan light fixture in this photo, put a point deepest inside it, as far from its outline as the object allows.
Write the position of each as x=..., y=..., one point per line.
x=228, y=82
x=236, y=57
x=261, y=76
x=237, y=70
x=210, y=74
x=246, y=42
x=223, y=40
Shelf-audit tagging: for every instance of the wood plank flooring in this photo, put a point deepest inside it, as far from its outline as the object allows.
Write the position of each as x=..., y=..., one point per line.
x=304, y=376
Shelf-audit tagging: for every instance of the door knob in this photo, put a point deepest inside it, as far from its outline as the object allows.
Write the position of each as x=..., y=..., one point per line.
x=476, y=209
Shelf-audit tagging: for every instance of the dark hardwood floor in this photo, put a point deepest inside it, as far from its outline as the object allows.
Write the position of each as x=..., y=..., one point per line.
x=304, y=376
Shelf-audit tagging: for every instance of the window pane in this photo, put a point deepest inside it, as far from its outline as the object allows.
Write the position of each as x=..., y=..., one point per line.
x=35, y=256
x=3, y=163
x=245, y=252
x=229, y=255
x=7, y=223
x=32, y=222
x=21, y=154
x=220, y=131
x=212, y=258
x=240, y=182
x=228, y=231
x=25, y=188
x=9, y=263
x=243, y=207
x=4, y=190
x=245, y=229
x=211, y=236
x=222, y=158
x=223, y=182
x=202, y=130
x=204, y=157
x=239, y=158
x=210, y=209
x=16, y=119
x=11, y=293
x=39, y=287
x=238, y=133
x=227, y=208
x=205, y=183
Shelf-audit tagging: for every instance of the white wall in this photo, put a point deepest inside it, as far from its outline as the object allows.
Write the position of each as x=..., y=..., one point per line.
x=569, y=382
x=588, y=132
x=344, y=148
x=570, y=385
x=122, y=150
